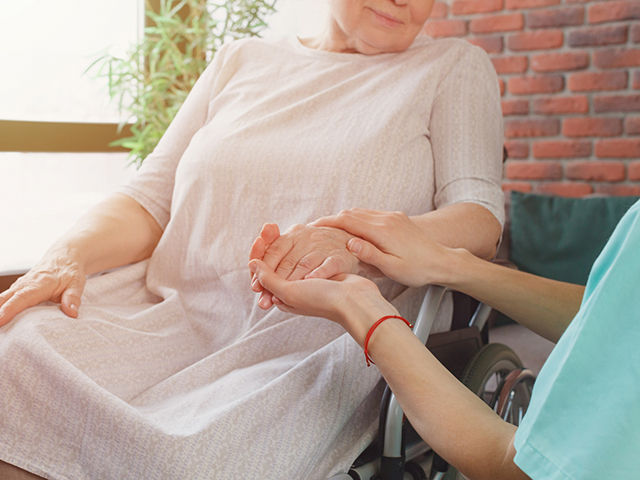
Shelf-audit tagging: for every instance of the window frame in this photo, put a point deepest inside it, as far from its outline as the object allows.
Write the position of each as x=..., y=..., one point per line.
x=68, y=137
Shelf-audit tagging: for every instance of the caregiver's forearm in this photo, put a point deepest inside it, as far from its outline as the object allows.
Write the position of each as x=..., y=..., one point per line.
x=116, y=232
x=463, y=225
x=452, y=420
x=542, y=305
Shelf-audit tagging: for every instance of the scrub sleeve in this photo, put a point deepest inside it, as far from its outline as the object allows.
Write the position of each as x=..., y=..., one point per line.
x=584, y=418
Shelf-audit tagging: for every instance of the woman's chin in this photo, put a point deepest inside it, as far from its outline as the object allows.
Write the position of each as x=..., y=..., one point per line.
x=376, y=44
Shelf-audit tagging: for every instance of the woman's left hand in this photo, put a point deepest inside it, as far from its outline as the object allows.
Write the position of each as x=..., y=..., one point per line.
x=303, y=249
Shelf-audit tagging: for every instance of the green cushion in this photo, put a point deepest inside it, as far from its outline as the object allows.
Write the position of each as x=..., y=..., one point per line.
x=560, y=238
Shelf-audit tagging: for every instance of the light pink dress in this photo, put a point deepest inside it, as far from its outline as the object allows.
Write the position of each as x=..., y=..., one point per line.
x=171, y=370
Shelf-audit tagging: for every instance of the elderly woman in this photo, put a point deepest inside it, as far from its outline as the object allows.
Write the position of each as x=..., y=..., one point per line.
x=170, y=368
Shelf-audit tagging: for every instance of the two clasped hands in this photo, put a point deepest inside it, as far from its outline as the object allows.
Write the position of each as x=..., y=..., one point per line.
x=321, y=269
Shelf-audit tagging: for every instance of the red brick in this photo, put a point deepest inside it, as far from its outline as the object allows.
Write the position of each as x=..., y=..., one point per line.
x=543, y=40
x=636, y=80
x=595, y=171
x=551, y=62
x=510, y=64
x=555, y=105
x=515, y=107
x=598, y=81
x=633, y=171
x=470, y=7
x=614, y=11
x=618, y=148
x=518, y=4
x=635, y=33
x=559, y=17
x=493, y=44
x=445, y=28
x=535, y=84
x=497, y=23
x=632, y=125
x=562, y=149
x=598, y=36
x=503, y=86
x=440, y=10
x=616, y=103
x=618, y=190
x=531, y=128
x=519, y=170
x=516, y=186
x=565, y=189
x=517, y=149
x=591, y=127
x=616, y=58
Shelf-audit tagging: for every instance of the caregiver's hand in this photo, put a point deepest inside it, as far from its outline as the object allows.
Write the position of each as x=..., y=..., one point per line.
x=394, y=244
x=350, y=300
x=58, y=278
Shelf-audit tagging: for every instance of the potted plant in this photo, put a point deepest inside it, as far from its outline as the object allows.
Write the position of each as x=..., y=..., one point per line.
x=181, y=37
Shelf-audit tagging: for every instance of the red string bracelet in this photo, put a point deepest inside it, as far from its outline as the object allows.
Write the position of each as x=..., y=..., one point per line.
x=373, y=327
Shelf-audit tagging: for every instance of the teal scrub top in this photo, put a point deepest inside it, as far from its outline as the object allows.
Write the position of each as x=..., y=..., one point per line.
x=584, y=418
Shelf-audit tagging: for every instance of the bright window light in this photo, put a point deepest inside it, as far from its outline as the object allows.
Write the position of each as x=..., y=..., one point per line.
x=46, y=47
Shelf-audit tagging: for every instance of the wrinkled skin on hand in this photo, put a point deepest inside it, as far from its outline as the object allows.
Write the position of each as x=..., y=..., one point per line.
x=57, y=278
x=303, y=251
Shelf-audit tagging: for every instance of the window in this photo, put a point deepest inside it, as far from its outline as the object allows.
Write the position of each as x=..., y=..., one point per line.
x=52, y=44
x=59, y=118
x=48, y=104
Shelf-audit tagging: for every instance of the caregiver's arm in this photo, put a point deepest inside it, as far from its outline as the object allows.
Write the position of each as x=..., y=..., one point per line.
x=393, y=243
x=116, y=232
x=453, y=421
x=542, y=305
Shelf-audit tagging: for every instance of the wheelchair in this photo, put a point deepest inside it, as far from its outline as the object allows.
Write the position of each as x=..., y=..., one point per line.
x=493, y=371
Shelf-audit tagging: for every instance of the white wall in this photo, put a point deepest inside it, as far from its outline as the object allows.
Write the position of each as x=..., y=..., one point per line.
x=304, y=18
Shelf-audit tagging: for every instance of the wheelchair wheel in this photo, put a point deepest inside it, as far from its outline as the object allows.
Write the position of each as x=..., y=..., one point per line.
x=484, y=375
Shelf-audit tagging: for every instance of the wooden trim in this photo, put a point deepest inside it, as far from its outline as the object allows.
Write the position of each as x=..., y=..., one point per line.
x=20, y=136
x=7, y=280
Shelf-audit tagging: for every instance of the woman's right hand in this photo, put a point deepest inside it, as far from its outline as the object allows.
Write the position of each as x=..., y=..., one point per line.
x=59, y=277
x=394, y=244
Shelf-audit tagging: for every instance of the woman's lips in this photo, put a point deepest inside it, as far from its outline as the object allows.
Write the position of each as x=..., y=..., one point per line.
x=386, y=19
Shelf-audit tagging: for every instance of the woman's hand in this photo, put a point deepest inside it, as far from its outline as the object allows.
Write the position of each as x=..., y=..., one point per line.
x=303, y=252
x=393, y=243
x=350, y=300
x=58, y=278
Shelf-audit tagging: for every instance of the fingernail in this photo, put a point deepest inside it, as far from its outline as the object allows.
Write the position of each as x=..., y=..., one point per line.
x=73, y=307
x=355, y=246
x=253, y=266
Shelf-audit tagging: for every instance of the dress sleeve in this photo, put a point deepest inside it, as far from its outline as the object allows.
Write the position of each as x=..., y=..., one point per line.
x=152, y=184
x=467, y=134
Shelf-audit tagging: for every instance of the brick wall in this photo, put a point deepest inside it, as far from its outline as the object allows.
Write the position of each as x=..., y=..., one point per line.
x=570, y=80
